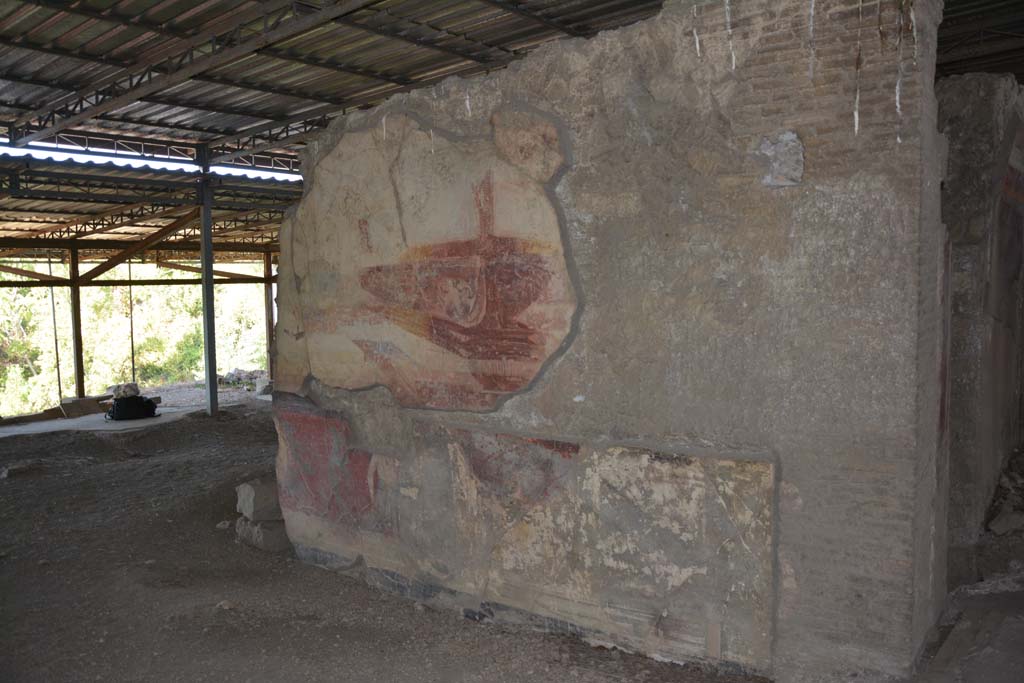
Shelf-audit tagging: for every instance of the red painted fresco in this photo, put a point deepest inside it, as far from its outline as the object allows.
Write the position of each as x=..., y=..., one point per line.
x=520, y=471
x=322, y=475
x=466, y=297
x=563, y=448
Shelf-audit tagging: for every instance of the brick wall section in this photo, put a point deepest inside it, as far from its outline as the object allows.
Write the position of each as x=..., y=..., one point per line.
x=789, y=81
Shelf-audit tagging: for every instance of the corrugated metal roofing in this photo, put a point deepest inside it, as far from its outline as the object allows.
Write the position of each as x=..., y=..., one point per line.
x=267, y=98
x=48, y=49
x=982, y=35
x=293, y=65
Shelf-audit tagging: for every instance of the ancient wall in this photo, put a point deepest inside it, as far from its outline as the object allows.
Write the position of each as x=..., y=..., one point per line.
x=639, y=339
x=983, y=206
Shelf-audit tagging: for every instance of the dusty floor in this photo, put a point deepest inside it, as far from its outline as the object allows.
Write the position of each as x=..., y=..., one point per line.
x=112, y=568
x=194, y=394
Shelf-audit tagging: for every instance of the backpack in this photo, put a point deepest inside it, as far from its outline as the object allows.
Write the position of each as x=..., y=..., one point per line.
x=132, y=408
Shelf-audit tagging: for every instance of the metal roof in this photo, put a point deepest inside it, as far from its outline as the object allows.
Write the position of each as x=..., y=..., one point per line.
x=240, y=82
x=246, y=82
x=104, y=205
x=982, y=35
x=239, y=74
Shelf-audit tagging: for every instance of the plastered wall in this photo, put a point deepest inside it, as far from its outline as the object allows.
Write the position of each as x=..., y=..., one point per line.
x=639, y=339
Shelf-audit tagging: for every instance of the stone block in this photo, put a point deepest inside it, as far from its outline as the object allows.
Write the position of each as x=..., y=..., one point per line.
x=257, y=500
x=268, y=536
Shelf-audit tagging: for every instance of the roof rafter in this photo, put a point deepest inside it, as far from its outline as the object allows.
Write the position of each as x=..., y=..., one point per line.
x=277, y=135
x=518, y=9
x=150, y=99
x=397, y=34
x=269, y=89
x=109, y=244
x=143, y=244
x=199, y=44
x=110, y=15
x=196, y=60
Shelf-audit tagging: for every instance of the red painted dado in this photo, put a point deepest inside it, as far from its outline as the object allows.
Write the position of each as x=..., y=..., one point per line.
x=514, y=469
x=322, y=476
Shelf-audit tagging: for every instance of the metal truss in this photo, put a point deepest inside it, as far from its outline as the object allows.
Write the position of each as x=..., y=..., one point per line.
x=118, y=146
x=272, y=136
x=201, y=53
x=112, y=16
x=519, y=9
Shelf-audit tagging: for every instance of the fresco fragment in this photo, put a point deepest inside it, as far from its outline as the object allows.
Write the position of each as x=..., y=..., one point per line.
x=452, y=295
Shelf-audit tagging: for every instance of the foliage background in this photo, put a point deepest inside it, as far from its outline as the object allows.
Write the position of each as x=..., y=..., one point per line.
x=168, y=334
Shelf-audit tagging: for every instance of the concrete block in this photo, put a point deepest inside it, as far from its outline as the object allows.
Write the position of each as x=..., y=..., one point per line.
x=267, y=536
x=257, y=500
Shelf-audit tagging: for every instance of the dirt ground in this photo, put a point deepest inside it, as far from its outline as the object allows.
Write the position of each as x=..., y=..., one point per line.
x=112, y=568
x=193, y=394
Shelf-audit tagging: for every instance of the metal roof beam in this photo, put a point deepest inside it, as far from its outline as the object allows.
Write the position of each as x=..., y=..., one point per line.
x=274, y=136
x=117, y=146
x=143, y=244
x=517, y=9
x=997, y=46
x=398, y=34
x=21, y=44
x=195, y=269
x=31, y=274
x=153, y=78
x=228, y=204
x=993, y=16
x=151, y=99
x=204, y=43
x=112, y=245
x=170, y=31
x=89, y=224
x=255, y=280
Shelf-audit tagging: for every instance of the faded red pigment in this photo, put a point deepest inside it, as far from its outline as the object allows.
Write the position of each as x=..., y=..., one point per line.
x=465, y=297
x=324, y=476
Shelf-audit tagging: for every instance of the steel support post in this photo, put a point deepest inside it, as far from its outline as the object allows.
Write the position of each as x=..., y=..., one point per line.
x=268, y=306
x=76, y=326
x=206, y=263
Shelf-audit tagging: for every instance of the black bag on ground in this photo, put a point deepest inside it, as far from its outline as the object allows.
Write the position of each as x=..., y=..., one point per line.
x=131, y=408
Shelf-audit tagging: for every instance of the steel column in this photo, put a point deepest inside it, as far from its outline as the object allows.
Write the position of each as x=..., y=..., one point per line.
x=76, y=326
x=206, y=263
x=268, y=308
